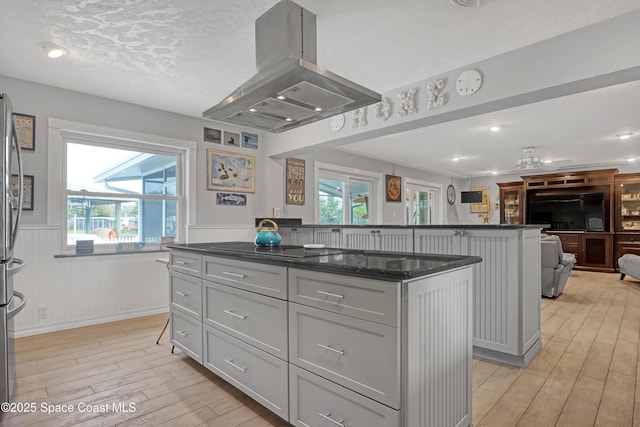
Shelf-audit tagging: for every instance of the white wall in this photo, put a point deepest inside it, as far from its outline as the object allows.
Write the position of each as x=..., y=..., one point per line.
x=87, y=290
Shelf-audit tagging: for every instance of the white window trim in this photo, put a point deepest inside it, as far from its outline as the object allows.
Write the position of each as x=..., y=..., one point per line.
x=439, y=211
x=374, y=178
x=56, y=209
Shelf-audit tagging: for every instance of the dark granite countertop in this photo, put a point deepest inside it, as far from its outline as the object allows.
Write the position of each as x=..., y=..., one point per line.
x=421, y=227
x=392, y=266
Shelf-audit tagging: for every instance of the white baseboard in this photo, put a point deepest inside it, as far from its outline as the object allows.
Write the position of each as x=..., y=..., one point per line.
x=55, y=327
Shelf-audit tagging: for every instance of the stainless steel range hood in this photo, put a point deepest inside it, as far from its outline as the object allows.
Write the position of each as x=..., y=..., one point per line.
x=289, y=89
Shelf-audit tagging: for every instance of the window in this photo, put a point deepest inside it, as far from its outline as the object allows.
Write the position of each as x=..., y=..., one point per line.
x=345, y=195
x=118, y=191
x=422, y=203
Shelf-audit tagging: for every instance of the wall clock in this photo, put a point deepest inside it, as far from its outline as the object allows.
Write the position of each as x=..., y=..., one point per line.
x=468, y=82
x=451, y=194
x=337, y=122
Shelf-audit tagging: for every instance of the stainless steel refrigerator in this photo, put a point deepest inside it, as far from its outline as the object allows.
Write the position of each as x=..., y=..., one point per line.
x=10, y=210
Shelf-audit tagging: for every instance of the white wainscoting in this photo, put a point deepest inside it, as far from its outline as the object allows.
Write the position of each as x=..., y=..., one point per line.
x=81, y=291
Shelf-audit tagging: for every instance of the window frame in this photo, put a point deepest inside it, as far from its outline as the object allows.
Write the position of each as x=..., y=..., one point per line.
x=410, y=184
x=330, y=171
x=62, y=132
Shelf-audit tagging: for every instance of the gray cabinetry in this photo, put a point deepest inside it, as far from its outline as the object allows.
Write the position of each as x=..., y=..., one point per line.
x=331, y=237
x=380, y=356
x=316, y=401
x=258, y=374
x=296, y=236
x=360, y=355
x=378, y=239
x=186, y=293
x=256, y=319
x=506, y=309
x=264, y=279
x=186, y=334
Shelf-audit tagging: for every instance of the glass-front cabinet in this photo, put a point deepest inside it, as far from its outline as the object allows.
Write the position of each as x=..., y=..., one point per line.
x=511, y=202
x=628, y=202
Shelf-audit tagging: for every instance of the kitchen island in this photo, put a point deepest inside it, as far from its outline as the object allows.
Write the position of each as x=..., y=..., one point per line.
x=330, y=336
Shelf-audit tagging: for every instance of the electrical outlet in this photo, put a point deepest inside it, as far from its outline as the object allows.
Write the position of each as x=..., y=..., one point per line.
x=43, y=312
x=276, y=212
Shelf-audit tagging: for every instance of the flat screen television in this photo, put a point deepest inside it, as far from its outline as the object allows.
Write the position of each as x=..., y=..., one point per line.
x=584, y=211
x=471, y=197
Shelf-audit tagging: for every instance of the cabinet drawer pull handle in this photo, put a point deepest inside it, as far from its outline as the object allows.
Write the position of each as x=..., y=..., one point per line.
x=231, y=313
x=184, y=334
x=180, y=262
x=335, y=350
x=230, y=362
x=242, y=276
x=329, y=294
x=327, y=417
x=182, y=294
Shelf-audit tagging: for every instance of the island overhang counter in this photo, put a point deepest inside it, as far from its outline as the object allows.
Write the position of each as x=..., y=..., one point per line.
x=330, y=335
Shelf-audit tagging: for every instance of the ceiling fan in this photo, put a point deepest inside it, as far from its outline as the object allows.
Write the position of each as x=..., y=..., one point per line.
x=529, y=161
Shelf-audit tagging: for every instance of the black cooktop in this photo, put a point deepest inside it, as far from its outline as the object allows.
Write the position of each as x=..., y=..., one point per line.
x=279, y=251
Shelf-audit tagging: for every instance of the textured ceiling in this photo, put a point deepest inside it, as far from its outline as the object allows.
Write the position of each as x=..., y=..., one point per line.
x=186, y=55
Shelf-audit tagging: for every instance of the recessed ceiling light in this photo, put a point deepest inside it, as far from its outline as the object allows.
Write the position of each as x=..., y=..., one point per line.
x=253, y=110
x=318, y=109
x=632, y=159
x=495, y=172
x=288, y=119
x=547, y=161
x=494, y=128
x=280, y=97
x=624, y=135
x=455, y=159
x=53, y=50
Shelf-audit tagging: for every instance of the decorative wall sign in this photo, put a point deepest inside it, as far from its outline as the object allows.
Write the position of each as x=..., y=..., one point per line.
x=231, y=138
x=407, y=103
x=230, y=171
x=393, y=188
x=483, y=206
x=212, y=135
x=436, y=99
x=359, y=118
x=25, y=130
x=27, y=192
x=231, y=199
x=295, y=181
x=250, y=140
x=383, y=109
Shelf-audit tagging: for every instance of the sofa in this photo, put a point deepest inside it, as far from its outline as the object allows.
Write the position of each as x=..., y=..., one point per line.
x=629, y=264
x=556, y=266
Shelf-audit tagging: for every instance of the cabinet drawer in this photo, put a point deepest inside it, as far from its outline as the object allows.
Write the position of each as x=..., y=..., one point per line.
x=258, y=374
x=264, y=279
x=314, y=400
x=185, y=262
x=186, y=293
x=186, y=334
x=256, y=319
x=358, y=354
x=366, y=299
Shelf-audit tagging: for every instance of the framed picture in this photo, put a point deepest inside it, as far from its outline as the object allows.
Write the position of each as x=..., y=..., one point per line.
x=393, y=188
x=231, y=138
x=231, y=199
x=229, y=171
x=27, y=192
x=483, y=206
x=250, y=140
x=212, y=135
x=25, y=130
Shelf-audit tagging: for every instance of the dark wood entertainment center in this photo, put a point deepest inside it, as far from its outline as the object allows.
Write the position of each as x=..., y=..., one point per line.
x=594, y=250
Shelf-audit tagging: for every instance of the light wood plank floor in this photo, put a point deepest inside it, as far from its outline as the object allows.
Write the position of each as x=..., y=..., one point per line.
x=585, y=375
